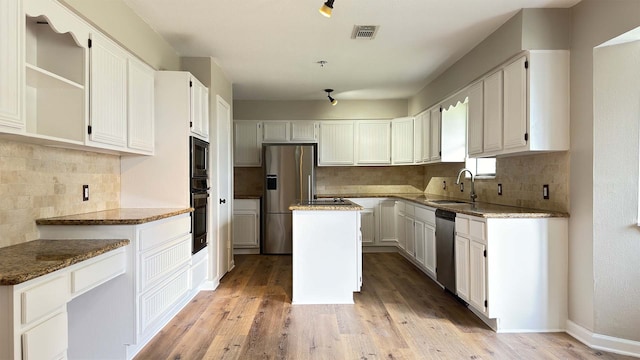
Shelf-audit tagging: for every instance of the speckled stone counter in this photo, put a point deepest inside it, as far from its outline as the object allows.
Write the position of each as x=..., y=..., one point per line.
x=26, y=261
x=323, y=204
x=481, y=209
x=126, y=216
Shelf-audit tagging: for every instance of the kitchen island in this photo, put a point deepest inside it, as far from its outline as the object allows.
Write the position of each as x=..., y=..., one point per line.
x=327, y=252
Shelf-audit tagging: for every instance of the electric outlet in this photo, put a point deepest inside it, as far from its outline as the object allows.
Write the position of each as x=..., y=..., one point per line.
x=444, y=185
x=85, y=192
x=545, y=191
x=461, y=187
x=499, y=189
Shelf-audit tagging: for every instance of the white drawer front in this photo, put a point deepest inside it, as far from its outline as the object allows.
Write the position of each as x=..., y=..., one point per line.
x=426, y=215
x=154, y=304
x=163, y=232
x=46, y=341
x=158, y=264
x=99, y=272
x=409, y=210
x=246, y=204
x=44, y=298
x=462, y=226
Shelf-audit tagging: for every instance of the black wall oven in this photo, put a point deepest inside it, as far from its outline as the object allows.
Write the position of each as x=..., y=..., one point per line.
x=199, y=193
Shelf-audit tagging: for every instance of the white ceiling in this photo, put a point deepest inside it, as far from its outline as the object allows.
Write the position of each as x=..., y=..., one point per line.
x=269, y=48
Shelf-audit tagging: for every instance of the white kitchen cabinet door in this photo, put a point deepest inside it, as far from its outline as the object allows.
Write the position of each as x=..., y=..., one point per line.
x=462, y=267
x=420, y=241
x=367, y=226
x=515, y=104
x=336, y=146
x=11, y=64
x=426, y=136
x=402, y=230
x=140, y=106
x=247, y=146
x=388, y=233
x=275, y=131
x=245, y=229
x=199, y=121
x=475, y=122
x=304, y=131
x=418, y=123
x=435, y=153
x=402, y=140
x=493, y=112
x=409, y=234
x=430, y=248
x=108, y=92
x=373, y=142
x=477, y=276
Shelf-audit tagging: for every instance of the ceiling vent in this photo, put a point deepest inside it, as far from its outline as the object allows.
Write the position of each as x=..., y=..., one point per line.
x=367, y=32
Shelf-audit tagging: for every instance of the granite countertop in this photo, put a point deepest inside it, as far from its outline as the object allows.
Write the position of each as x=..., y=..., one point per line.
x=480, y=209
x=26, y=261
x=326, y=205
x=124, y=216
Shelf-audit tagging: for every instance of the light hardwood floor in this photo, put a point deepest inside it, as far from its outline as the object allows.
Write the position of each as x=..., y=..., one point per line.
x=400, y=314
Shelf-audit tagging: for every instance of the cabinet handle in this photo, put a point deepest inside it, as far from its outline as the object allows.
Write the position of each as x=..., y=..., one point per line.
x=223, y=201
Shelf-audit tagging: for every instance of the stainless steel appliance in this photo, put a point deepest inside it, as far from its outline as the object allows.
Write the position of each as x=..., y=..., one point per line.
x=199, y=162
x=445, y=249
x=289, y=177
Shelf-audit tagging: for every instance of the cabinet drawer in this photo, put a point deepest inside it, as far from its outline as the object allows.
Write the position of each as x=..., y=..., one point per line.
x=46, y=341
x=426, y=215
x=99, y=272
x=409, y=210
x=155, y=265
x=476, y=229
x=160, y=233
x=44, y=298
x=462, y=226
x=246, y=204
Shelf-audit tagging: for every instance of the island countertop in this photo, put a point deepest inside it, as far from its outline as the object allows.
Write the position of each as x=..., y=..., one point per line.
x=122, y=216
x=26, y=261
x=326, y=205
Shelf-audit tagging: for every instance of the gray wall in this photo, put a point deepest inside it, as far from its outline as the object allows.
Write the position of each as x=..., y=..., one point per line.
x=318, y=110
x=601, y=258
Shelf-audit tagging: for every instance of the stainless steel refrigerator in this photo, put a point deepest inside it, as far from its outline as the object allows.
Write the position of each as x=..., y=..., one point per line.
x=289, y=177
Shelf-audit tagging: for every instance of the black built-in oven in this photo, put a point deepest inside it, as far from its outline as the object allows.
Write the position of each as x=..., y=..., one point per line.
x=199, y=193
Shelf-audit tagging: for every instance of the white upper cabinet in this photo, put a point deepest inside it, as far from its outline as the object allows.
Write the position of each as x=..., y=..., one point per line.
x=336, y=145
x=55, y=63
x=304, y=131
x=454, y=128
x=373, y=142
x=475, y=120
x=402, y=143
x=282, y=131
x=436, y=113
x=108, y=121
x=536, y=102
x=247, y=145
x=140, y=106
x=426, y=135
x=11, y=68
x=493, y=112
x=418, y=123
x=199, y=121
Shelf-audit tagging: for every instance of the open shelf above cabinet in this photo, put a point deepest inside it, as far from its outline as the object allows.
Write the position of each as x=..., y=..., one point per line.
x=41, y=78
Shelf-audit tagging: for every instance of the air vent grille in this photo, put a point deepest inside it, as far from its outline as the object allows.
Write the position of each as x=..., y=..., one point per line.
x=367, y=32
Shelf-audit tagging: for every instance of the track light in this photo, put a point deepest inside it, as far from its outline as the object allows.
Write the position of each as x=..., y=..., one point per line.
x=326, y=8
x=333, y=101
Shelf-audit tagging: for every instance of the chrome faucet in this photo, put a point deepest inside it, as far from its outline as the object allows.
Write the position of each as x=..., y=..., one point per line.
x=473, y=190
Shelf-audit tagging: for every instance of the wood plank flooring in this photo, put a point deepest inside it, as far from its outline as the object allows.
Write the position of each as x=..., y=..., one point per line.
x=400, y=314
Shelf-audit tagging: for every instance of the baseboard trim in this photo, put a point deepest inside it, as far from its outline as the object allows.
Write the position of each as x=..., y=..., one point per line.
x=603, y=342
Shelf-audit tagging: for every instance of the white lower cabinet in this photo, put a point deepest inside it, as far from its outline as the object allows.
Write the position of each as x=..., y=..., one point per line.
x=162, y=277
x=419, y=233
x=388, y=232
x=513, y=271
x=246, y=224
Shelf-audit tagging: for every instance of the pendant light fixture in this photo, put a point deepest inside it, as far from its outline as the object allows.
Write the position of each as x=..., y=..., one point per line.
x=333, y=101
x=326, y=8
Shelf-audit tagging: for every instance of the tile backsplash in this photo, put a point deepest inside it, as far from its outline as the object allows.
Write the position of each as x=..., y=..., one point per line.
x=369, y=180
x=38, y=181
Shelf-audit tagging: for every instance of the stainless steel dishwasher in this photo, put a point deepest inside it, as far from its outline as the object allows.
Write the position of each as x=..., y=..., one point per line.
x=445, y=249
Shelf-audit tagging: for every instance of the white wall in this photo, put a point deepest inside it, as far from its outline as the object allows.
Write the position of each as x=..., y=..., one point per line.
x=615, y=190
